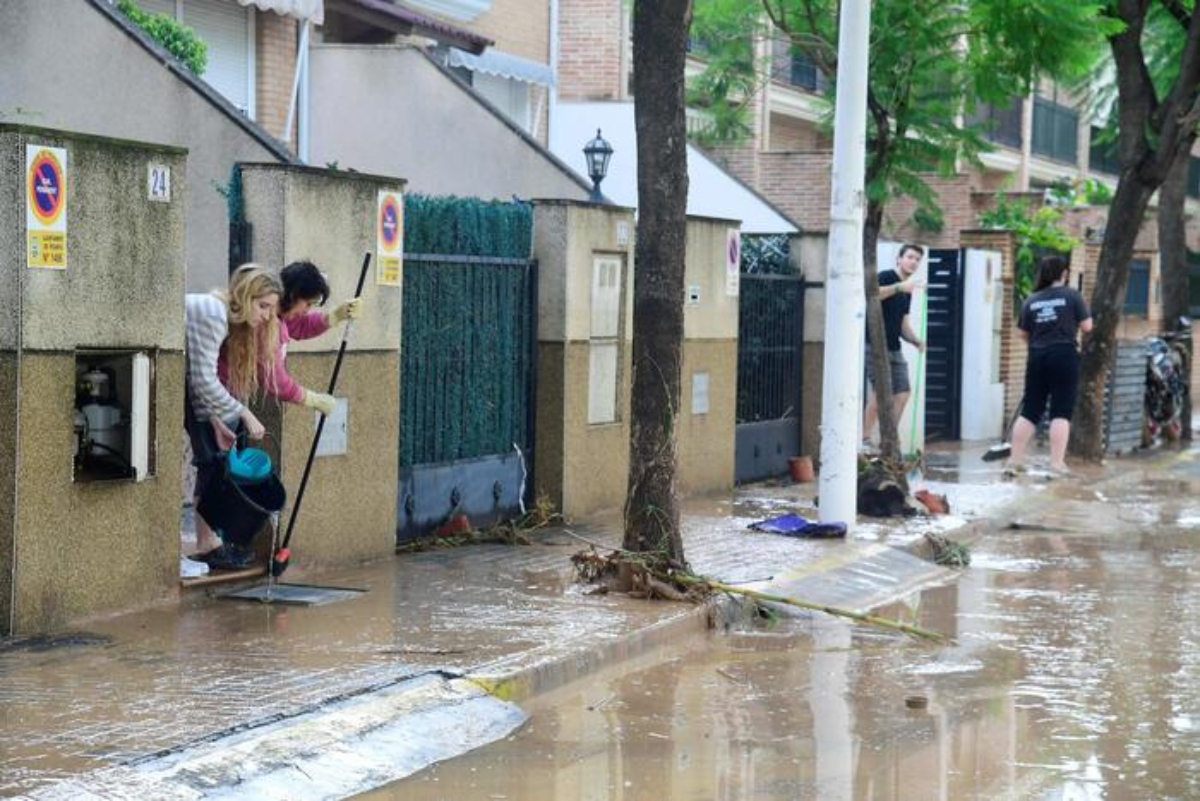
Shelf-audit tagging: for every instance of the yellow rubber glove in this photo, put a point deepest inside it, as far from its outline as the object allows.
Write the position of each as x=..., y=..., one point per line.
x=321, y=402
x=347, y=310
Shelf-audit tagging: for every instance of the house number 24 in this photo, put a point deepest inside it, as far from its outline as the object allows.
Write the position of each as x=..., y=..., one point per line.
x=158, y=183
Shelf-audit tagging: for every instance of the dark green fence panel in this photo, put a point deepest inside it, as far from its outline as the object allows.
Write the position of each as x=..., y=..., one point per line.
x=467, y=226
x=469, y=330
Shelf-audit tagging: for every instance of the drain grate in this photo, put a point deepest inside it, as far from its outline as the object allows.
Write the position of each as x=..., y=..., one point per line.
x=298, y=594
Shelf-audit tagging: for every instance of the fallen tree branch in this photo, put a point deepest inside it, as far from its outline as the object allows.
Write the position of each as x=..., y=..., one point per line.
x=646, y=575
x=873, y=620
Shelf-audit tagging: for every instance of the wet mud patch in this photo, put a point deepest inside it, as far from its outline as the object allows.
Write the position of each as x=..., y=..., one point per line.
x=54, y=642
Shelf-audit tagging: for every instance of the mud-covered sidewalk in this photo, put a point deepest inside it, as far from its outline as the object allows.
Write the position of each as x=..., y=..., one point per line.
x=222, y=698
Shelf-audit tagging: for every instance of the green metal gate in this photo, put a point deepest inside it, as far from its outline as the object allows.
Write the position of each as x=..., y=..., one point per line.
x=467, y=364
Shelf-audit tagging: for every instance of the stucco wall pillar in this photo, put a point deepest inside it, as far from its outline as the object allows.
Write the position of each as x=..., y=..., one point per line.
x=585, y=332
x=708, y=398
x=585, y=328
x=331, y=218
x=810, y=256
x=89, y=514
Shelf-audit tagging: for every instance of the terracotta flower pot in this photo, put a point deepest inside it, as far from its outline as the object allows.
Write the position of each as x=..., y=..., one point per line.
x=801, y=468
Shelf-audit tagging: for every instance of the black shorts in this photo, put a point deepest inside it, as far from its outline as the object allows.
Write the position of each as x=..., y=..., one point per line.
x=206, y=454
x=1051, y=374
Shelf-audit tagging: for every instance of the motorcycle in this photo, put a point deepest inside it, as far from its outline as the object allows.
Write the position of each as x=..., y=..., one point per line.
x=1166, y=389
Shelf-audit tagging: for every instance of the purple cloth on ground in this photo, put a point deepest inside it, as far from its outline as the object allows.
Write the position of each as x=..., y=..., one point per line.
x=793, y=525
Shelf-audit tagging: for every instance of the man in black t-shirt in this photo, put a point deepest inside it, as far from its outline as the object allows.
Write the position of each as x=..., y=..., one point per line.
x=895, y=292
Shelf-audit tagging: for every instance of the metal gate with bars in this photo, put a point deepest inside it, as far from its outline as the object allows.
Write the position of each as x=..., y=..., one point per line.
x=770, y=366
x=943, y=351
x=467, y=364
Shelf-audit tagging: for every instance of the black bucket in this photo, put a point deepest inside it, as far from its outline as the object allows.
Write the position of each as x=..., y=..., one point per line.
x=238, y=510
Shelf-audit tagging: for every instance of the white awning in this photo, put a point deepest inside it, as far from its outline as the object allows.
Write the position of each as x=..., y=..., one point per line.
x=311, y=10
x=503, y=65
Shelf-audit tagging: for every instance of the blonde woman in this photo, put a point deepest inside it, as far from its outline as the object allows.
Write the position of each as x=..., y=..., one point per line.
x=239, y=328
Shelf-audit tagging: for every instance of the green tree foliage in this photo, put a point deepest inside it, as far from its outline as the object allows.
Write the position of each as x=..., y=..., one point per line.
x=726, y=34
x=1036, y=233
x=933, y=66
x=178, y=39
x=1154, y=75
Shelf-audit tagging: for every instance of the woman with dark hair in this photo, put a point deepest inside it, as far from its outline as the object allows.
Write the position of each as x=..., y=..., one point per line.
x=304, y=289
x=1050, y=322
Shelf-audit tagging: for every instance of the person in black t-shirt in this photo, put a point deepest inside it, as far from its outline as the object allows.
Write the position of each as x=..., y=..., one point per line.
x=895, y=292
x=1051, y=319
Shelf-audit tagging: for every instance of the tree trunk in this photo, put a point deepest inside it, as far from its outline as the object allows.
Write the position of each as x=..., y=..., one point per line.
x=1173, y=262
x=889, y=437
x=1108, y=301
x=1152, y=136
x=660, y=30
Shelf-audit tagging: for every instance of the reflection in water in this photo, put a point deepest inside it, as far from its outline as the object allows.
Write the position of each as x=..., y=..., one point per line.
x=1075, y=674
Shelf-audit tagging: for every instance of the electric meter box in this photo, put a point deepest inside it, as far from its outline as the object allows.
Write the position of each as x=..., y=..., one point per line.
x=113, y=420
x=92, y=264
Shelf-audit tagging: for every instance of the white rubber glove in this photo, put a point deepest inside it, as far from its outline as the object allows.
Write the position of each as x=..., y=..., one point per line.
x=347, y=310
x=323, y=403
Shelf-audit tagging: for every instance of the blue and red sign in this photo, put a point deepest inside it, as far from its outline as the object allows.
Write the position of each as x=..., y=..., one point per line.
x=47, y=190
x=391, y=225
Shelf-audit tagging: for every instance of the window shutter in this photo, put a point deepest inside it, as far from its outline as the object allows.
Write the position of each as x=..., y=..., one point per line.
x=225, y=27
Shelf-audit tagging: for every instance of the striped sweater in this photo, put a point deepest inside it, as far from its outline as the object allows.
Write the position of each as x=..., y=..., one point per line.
x=207, y=326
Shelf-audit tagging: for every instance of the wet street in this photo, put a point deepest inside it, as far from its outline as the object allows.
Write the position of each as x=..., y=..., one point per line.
x=1074, y=673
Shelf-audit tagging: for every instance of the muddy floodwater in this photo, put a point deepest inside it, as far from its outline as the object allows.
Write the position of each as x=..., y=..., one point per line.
x=1074, y=674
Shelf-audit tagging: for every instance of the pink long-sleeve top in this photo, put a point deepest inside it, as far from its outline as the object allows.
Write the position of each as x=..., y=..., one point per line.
x=281, y=384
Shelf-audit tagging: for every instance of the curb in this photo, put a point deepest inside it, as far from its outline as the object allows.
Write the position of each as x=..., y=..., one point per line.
x=534, y=673
x=345, y=748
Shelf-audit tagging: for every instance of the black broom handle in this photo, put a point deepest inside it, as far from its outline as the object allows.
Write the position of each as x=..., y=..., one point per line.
x=337, y=367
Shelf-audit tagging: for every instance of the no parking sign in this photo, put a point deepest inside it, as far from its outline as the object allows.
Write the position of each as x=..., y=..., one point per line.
x=46, y=207
x=390, y=238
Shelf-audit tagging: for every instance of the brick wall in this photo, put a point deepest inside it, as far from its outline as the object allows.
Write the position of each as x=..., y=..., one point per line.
x=741, y=161
x=955, y=198
x=275, y=64
x=590, y=41
x=796, y=182
x=789, y=133
x=518, y=27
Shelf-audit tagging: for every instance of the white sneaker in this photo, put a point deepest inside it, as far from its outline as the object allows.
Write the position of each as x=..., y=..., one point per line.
x=189, y=568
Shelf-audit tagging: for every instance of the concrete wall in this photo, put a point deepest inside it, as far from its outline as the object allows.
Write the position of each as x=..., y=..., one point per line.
x=581, y=467
x=810, y=256
x=8, y=478
x=107, y=81
x=388, y=109
x=70, y=549
x=349, y=508
x=710, y=330
x=584, y=467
